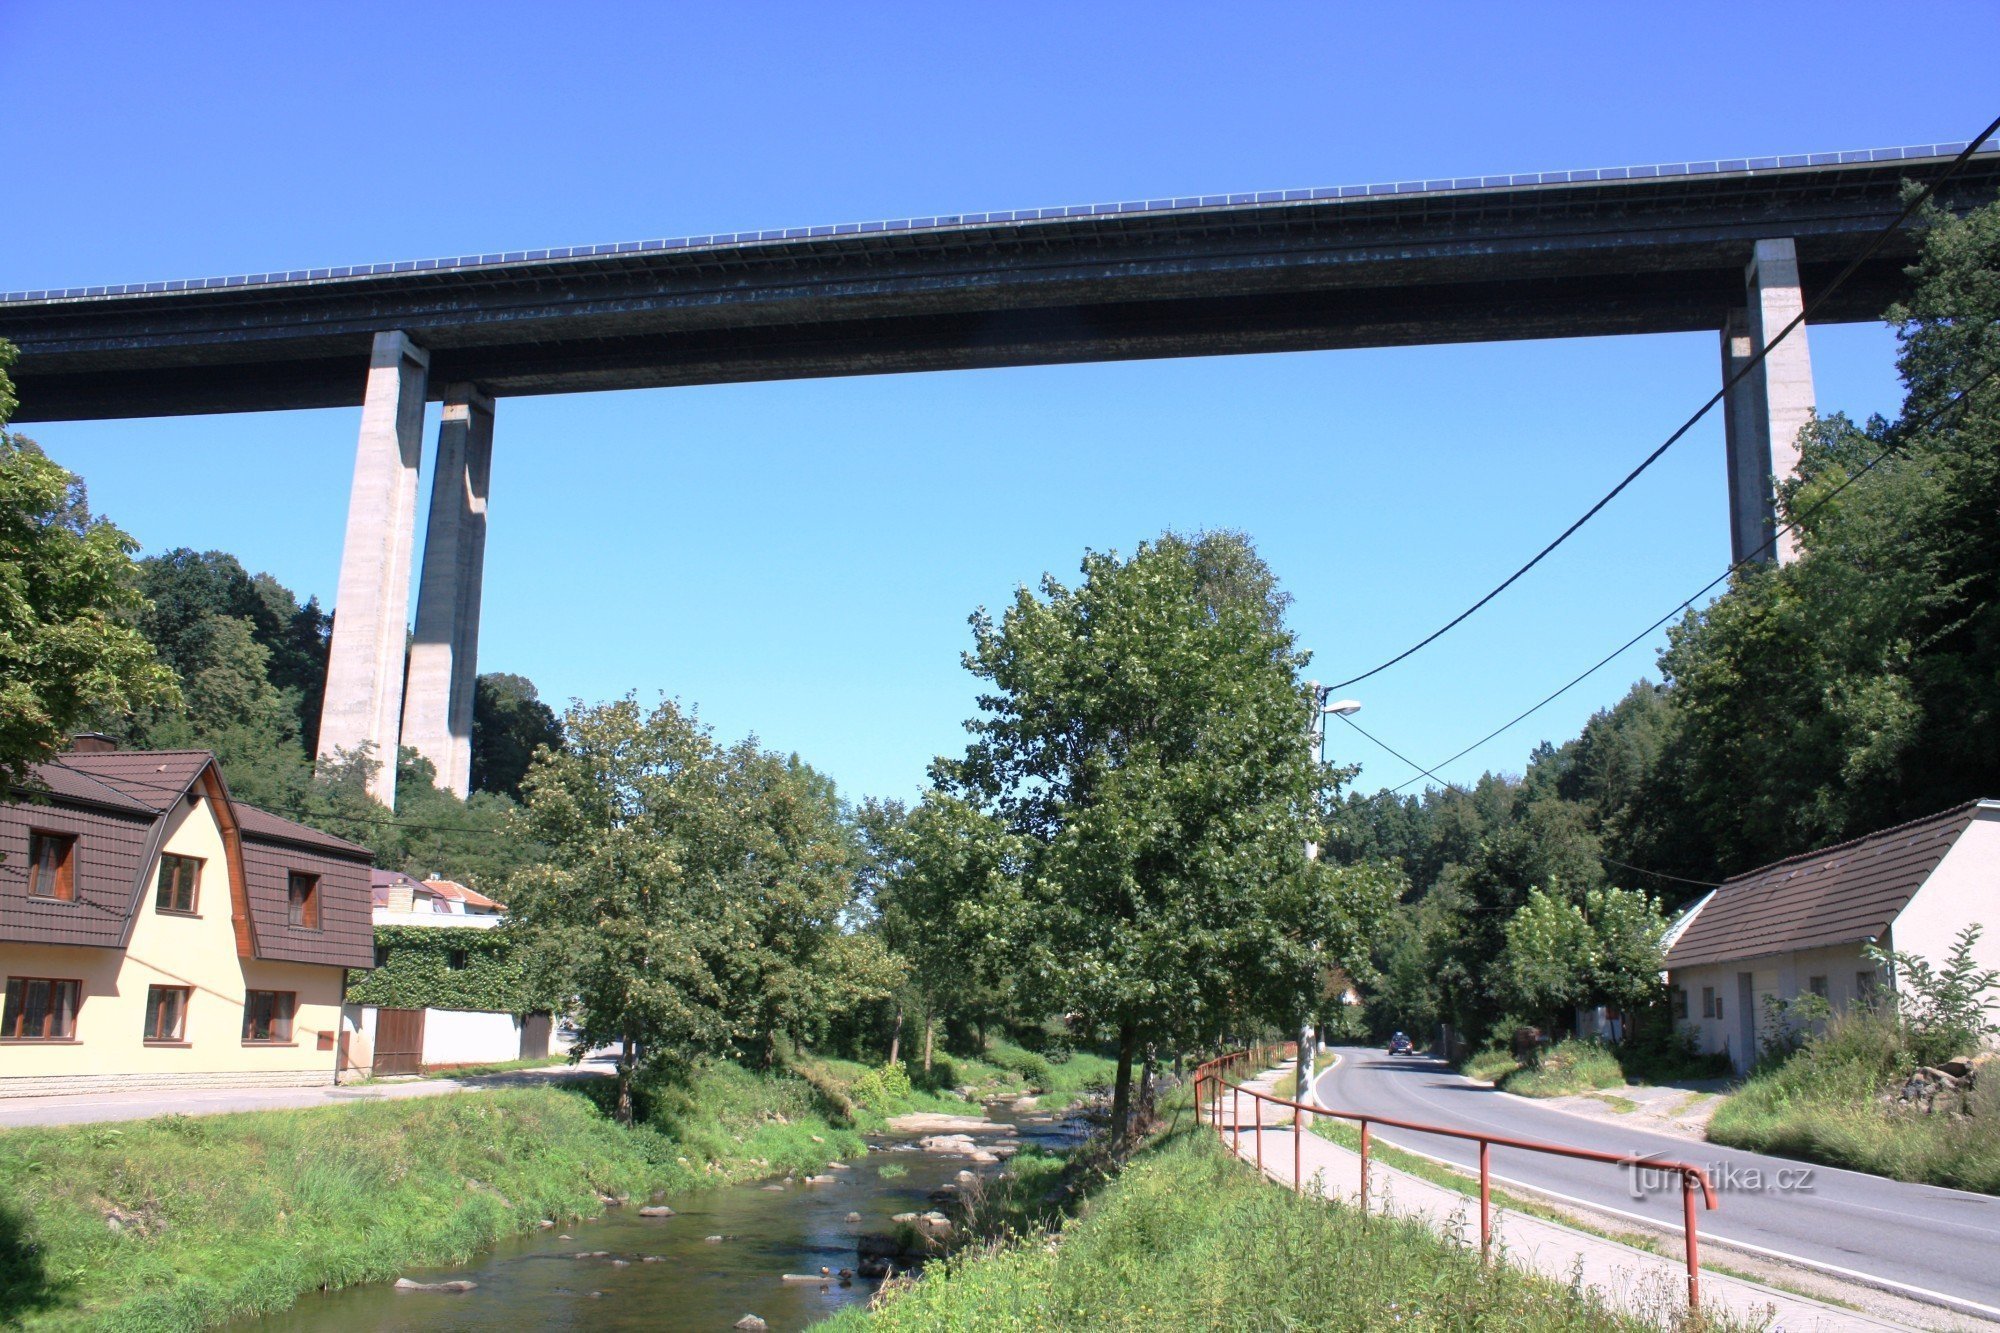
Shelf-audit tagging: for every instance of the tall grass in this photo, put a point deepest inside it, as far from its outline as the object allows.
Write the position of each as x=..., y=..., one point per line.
x=182, y=1222
x=1825, y=1103
x=1580, y=1064
x=1186, y=1237
x=1006, y=1069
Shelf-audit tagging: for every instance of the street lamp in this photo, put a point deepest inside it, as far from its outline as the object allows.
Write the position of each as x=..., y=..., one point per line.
x=1323, y=706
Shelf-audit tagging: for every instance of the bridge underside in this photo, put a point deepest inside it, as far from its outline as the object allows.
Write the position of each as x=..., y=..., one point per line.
x=1731, y=252
x=1657, y=255
x=324, y=372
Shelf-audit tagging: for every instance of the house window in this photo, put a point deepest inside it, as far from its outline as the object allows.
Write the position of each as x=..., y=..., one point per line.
x=1708, y=1005
x=1680, y=1003
x=267, y=1015
x=381, y=955
x=38, y=1009
x=302, y=900
x=1864, y=986
x=52, y=866
x=1817, y=985
x=166, y=1012
x=179, y=876
x=455, y=960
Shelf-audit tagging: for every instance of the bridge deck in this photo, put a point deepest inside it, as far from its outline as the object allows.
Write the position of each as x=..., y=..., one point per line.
x=1624, y=250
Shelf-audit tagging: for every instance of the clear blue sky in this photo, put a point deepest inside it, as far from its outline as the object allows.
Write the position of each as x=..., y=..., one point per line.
x=798, y=559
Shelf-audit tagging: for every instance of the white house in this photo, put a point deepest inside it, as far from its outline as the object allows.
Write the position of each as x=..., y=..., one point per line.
x=1801, y=925
x=440, y=978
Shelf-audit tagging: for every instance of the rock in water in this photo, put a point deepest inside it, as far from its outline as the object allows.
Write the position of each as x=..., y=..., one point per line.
x=750, y=1323
x=656, y=1210
x=459, y=1285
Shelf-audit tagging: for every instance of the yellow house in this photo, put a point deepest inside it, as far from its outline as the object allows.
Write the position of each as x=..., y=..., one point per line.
x=156, y=933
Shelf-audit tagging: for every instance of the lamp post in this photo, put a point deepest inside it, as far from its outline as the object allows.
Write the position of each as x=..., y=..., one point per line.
x=1322, y=706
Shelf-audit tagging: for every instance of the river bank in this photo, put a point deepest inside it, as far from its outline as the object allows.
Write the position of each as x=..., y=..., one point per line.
x=1186, y=1237
x=187, y=1222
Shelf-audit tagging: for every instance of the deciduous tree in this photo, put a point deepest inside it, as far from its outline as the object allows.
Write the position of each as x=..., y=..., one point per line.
x=69, y=648
x=1145, y=742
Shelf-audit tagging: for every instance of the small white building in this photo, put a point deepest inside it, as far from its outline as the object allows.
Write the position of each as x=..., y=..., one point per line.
x=408, y=1037
x=1801, y=925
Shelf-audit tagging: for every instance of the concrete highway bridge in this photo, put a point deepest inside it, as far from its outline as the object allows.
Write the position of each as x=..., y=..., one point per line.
x=1732, y=247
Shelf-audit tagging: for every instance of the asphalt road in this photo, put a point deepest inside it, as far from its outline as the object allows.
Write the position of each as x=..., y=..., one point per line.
x=1929, y=1240
x=96, y=1108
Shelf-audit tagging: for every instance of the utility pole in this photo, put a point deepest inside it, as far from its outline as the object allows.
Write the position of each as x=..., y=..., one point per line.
x=1308, y=1034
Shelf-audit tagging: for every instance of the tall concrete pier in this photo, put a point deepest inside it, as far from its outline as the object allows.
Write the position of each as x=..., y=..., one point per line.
x=437, y=704
x=1765, y=411
x=364, y=670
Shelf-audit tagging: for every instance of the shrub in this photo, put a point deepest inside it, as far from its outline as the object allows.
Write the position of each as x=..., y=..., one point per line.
x=941, y=1075
x=882, y=1088
x=1187, y=1237
x=1944, y=1010
x=1570, y=1066
x=1027, y=1064
x=1490, y=1065
x=1828, y=1102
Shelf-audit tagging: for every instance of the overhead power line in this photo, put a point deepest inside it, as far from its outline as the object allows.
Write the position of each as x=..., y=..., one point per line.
x=1896, y=443
x=1916, y=202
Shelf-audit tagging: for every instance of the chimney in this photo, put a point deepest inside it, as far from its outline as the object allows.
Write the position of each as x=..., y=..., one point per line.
x=92, y=742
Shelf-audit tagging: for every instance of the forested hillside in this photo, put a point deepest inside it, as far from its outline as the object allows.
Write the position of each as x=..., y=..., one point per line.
x=251, y=661
x=1814, y=702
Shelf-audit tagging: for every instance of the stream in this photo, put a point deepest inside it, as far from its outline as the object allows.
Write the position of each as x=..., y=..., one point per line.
x=689, y=1282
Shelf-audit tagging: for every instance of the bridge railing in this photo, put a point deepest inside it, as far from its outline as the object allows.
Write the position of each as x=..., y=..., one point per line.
x=1217, y=1081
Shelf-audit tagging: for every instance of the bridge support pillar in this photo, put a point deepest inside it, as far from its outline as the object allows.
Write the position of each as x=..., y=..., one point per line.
x=437, y=705
x=1764, y=413
x=364, y=670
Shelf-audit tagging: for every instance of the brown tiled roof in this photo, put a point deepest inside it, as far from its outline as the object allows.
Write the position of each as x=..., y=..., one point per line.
x=262, y=824
x=118, y=804
x=155, y=779
x=1836, y=895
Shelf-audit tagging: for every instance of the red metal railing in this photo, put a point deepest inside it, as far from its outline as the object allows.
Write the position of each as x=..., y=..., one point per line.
x=1212, y=1081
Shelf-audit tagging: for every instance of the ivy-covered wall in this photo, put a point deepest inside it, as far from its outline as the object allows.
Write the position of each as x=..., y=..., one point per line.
x=416, y=971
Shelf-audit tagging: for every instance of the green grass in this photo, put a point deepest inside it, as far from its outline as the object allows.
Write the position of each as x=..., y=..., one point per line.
x=1186, y=1237
x=1823, y=1104
x=239, y=1214
x=1564, y=1069
x=232, y=1215
x=1490, y=1066
x=1437, y=1173
x=1005, y=1072
x=1576, y=1065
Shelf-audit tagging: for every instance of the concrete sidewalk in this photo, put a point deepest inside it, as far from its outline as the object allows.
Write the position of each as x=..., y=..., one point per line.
x=1637, y=1282
x=17, y=1112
